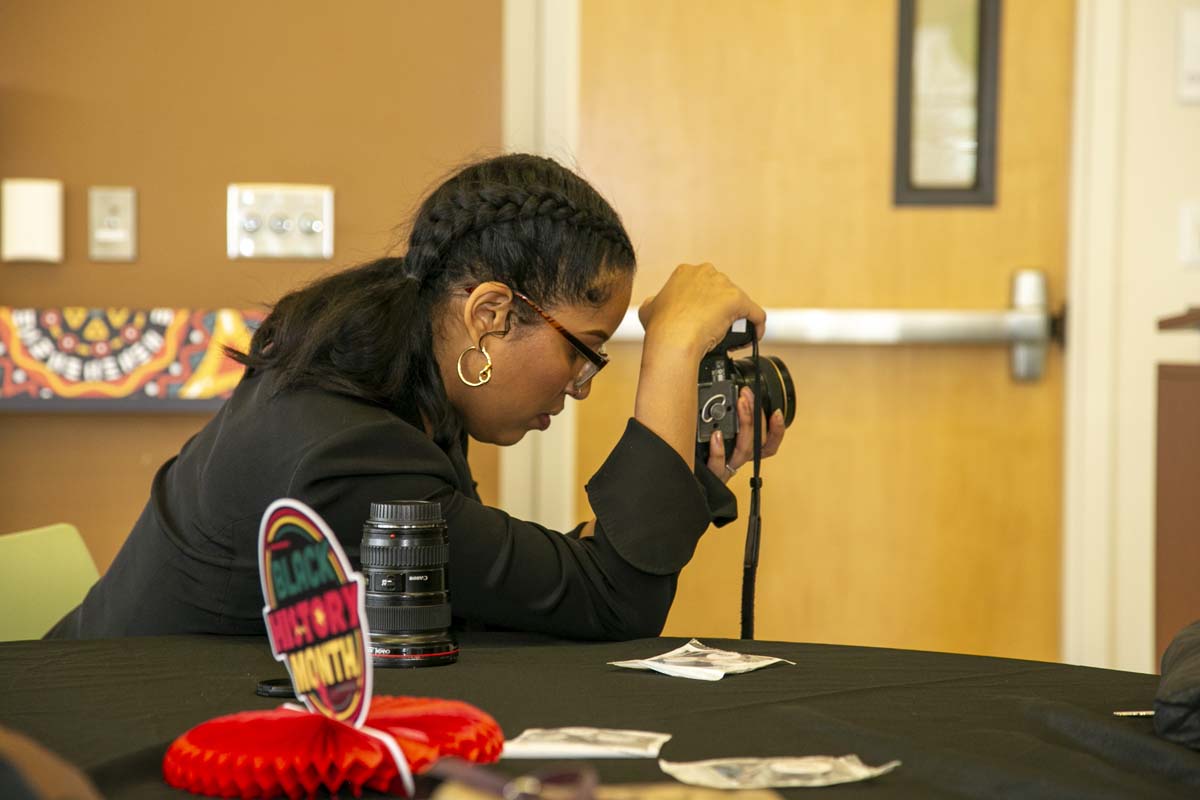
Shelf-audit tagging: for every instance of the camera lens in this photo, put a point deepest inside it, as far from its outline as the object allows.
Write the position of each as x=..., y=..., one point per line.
x=779, y=393
x=405, y=552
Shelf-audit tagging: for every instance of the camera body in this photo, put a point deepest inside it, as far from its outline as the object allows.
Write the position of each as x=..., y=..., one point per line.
x=720, y=381
x=717, y=389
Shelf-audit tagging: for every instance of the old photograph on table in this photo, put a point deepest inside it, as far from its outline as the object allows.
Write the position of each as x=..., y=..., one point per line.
x=585, y=742
x=777, y=772
x=697, y=660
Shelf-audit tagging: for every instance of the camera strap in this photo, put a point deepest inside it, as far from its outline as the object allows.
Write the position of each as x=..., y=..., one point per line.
x=754, y=525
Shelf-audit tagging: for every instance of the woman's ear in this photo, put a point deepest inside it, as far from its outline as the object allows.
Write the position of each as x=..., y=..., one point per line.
x=486, y=309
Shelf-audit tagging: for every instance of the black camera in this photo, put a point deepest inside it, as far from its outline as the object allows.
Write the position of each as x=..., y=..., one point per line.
x=405, y=551
x=721, y=380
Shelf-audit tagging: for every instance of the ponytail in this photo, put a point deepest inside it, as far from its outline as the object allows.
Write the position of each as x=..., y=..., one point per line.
x=365, y=332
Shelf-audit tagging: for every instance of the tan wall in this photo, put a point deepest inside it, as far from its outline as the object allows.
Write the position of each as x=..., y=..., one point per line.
x=377, y=98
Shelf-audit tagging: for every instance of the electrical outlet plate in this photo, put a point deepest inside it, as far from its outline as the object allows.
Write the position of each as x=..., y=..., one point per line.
x=279, y=220
x=112, y=223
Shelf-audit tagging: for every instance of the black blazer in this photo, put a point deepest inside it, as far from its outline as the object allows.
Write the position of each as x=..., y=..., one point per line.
x=190, y=563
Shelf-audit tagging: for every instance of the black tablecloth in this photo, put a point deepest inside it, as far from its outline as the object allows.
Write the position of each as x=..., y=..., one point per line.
x=964, y=726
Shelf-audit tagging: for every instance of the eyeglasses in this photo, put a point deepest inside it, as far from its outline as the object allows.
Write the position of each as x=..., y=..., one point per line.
x=593, y=361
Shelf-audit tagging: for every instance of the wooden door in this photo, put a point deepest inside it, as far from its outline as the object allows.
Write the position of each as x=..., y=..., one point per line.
x=917, y=501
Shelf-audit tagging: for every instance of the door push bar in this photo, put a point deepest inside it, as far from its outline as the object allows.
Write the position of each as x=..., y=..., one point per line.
x=1027, y=326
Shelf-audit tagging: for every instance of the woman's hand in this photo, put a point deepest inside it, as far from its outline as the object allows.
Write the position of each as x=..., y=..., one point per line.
x=690, y=314
x=743, y=449
x=695, y=308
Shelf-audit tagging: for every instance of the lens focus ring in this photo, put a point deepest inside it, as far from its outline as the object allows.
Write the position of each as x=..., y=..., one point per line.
x=421, y=555
x=406, y=512
x=407, y=619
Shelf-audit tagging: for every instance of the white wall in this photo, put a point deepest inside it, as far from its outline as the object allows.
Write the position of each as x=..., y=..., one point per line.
x=1160, y=172
x=1136, y=162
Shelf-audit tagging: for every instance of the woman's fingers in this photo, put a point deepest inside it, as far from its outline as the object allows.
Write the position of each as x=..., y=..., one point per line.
x=772, y=432
x=697, y=304
x=758, y=315
x=743, y=451
x=716, y=457
x=775, y=429
x=646, y=311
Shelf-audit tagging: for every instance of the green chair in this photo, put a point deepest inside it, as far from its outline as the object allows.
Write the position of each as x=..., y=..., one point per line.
x=44, y=573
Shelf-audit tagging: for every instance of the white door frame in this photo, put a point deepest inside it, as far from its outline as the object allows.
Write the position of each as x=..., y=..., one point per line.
x=540, y=114
x=1107, y=600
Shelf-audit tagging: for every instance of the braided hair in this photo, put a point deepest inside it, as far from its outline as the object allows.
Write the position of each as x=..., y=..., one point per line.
x=521, y=220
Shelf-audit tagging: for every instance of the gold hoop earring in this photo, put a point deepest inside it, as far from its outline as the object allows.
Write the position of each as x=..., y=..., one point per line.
x=485, y=374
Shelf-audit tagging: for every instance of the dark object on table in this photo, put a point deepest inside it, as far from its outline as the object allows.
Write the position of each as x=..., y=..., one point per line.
x=1177, y=703
x=405, y=551
x=29, y=771
x=276, y=687
x=462, y=780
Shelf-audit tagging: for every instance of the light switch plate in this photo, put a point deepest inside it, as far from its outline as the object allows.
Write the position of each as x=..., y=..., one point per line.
x=1189, y=53
x=279, y=220
x=112, y=223
x=31, y=220
x=1189, y=235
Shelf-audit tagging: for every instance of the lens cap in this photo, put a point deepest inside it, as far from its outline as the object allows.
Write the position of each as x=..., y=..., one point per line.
x=406, y=512
x=275, y=687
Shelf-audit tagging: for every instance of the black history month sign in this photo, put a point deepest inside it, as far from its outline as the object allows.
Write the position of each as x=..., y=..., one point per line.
x=315, y=612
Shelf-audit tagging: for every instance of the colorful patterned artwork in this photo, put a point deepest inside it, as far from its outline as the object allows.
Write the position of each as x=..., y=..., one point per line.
x=120, y=358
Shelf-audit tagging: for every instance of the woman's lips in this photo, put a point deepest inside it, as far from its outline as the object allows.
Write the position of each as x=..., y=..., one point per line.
x=543, y=421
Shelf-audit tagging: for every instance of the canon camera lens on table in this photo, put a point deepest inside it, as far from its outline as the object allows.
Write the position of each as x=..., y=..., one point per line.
x=405, y=551
x=721, y=380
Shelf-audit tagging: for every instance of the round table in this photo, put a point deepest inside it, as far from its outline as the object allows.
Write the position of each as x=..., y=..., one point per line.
x=963, y=726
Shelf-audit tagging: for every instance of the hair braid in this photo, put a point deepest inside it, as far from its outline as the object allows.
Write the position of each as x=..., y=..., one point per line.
x=473, y=209
x=507, y=203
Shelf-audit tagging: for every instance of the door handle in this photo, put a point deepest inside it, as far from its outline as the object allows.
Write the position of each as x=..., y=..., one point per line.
x=1027, y=326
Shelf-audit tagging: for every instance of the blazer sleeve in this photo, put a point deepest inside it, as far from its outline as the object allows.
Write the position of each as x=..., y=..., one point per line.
x=618, y=584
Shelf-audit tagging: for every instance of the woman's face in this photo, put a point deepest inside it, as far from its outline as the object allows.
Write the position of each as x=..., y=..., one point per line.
x=533, y=366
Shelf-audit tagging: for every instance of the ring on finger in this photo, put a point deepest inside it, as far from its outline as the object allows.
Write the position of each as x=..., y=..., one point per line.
x=731, y=470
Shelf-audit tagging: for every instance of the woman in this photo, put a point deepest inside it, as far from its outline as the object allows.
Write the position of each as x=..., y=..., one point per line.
x=365, y=385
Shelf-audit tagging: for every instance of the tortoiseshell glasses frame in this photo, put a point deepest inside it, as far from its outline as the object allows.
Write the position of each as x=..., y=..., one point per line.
x=593, y=360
